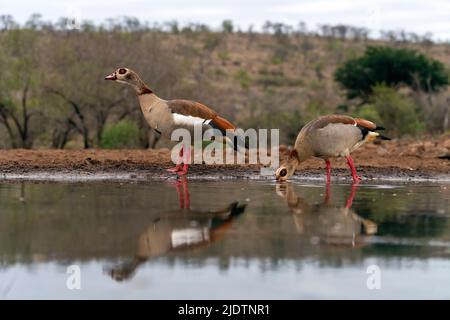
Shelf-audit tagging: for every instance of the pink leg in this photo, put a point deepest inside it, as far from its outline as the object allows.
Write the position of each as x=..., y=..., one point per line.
x=351, y=164
x=327, y=192
x=187, y=199
x=178, y=166
x=352, y=195
x=180, y=195
x=183, y=195
x=187, y=159
x=328, y=170
x=184, y=170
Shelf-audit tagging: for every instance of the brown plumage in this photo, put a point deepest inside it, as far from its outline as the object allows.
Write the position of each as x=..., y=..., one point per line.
x=164, y=116
x=366, y=124
x=191, y=108
x=328, y=137
x=196, y=109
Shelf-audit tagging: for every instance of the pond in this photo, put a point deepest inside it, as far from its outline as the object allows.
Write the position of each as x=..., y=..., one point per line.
x=224, y=240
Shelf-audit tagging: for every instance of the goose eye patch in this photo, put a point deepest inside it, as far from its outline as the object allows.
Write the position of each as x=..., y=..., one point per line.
x=122, y=71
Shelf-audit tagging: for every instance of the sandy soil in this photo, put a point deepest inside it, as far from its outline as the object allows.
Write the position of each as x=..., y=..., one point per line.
x=406, y=158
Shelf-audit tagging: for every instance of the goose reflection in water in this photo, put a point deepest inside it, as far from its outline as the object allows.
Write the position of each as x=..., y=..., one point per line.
x=182, y=229
x=326, y=223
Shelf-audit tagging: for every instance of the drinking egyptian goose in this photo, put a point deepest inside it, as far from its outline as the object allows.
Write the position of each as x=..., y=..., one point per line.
x=329, y=137
x=166, y=115
x=326, y=222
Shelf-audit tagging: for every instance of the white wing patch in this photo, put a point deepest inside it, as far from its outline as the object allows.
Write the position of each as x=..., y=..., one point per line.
x=183, y=120
x=189, y=236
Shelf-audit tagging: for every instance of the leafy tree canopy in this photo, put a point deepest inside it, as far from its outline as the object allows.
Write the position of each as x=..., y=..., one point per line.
x=391, y=67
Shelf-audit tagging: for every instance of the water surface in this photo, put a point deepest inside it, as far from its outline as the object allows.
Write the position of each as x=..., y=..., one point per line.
x=230, y=240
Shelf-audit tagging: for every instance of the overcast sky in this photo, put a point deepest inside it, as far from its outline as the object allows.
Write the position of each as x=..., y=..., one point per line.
x=418, y=16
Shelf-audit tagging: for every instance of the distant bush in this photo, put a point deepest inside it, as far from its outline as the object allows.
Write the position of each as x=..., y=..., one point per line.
x=276, y=60
x=122, y=135
x=278, y=80
x=392, y=110
x=314, y=108
x=369, y=112
x=391, y=67
x=211, y=41
x=227, y=26
x=224, y=56
x=244, y=78
x=318, y=68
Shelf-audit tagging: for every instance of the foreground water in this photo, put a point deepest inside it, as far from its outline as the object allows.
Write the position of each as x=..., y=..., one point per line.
x=231, y=240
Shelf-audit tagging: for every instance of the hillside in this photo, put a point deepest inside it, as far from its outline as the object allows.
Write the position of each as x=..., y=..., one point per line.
x=256, y=80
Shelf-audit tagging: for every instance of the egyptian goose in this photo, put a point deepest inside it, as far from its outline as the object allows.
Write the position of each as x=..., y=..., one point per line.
x=325, y=222
x=183, y=229
x=329, y=137
x=164, y=116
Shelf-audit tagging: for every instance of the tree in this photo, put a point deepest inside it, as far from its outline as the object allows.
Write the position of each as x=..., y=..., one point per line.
x=7, y=22
x=19, y=93
x=392, y=67
x=76, y=65
x=227, y=26
x=35, y=22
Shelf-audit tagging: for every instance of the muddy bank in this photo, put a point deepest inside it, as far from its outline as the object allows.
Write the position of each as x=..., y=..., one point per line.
x=405, y=159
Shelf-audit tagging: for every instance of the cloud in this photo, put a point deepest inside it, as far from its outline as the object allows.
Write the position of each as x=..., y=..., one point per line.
x=317, y=7
x=412, y=15
x=185, y=13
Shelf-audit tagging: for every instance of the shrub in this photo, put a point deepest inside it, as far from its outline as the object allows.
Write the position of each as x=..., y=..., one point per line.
x=212, y=41
x=124, y=134
x=314, y=108
x=224, y=56
x=244, y=78
x=369, y=112
x=396, y=112
x=276, y=80
x=276, y=61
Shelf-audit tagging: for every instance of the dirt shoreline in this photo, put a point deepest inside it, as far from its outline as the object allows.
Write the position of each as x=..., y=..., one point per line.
x=427, y=159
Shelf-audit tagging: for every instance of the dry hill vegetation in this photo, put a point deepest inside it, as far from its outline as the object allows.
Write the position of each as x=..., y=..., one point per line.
x=52, y=92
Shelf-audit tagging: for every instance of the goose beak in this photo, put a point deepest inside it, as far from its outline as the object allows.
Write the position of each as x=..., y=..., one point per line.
x=112, y=76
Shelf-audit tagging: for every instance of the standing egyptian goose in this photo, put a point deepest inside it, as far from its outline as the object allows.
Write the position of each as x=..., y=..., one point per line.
x=166, y=115
x=179, y=230
x=328, y=137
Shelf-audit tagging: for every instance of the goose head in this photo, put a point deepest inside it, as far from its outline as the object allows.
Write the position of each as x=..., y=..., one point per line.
x=287, y=167
x=123, y=75
x=130, y=77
